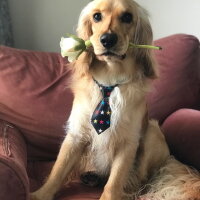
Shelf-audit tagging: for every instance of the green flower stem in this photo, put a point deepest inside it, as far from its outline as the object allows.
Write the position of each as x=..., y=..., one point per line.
x=88, y=43
x=131, y=45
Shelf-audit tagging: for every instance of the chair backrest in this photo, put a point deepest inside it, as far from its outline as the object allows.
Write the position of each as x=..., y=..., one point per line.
x=178, y=85
x=34, y=97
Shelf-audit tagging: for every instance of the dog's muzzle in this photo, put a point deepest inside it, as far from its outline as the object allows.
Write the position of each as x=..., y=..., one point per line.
x=109, y=40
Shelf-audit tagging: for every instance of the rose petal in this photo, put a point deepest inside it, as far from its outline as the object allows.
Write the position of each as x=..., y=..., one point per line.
x=72, y=56
x=68, y=44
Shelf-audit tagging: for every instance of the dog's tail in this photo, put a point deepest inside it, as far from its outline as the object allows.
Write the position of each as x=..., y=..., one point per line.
x=174, y=181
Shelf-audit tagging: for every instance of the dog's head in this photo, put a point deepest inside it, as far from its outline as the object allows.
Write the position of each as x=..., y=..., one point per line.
x=111, y=25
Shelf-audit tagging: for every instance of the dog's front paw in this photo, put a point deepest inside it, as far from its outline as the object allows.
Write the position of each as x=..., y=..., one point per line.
x=38, y=196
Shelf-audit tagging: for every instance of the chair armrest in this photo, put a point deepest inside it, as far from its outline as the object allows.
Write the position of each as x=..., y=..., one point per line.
x=182, y=132
x=14, y=182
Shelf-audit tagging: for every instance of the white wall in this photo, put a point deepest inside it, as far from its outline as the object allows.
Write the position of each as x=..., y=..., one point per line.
x=39, y=24
x=173, y=16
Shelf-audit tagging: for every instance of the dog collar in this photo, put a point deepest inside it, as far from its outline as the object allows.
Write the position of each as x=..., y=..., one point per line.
x=103, y=86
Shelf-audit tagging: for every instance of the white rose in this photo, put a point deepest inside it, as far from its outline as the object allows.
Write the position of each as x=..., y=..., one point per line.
x=68, y=45
x=69, y=48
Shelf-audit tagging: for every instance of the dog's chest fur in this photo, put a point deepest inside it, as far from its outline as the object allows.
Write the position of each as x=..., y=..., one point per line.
x=125, y=102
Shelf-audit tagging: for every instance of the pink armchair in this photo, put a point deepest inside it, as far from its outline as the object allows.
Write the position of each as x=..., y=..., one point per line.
x=35, y=105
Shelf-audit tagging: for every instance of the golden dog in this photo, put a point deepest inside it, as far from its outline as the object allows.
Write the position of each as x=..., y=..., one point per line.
x=132, y=152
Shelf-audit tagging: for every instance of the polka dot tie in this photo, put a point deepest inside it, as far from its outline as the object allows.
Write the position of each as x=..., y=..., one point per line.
x=101, y=116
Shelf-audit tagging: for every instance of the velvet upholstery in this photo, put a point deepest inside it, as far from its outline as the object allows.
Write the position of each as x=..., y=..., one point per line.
x=34, y=97
x=35, y=104
x=178, y=85
x=13, y=162
x=182, y=130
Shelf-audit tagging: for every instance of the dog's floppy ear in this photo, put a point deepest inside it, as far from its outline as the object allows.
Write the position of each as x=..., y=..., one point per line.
x=84, y=29
x=82, y=65
x=144, y=35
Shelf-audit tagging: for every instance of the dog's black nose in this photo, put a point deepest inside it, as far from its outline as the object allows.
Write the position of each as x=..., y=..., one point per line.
x=108, y=40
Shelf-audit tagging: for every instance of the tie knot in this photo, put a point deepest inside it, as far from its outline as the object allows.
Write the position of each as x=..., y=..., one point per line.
x=106, y=91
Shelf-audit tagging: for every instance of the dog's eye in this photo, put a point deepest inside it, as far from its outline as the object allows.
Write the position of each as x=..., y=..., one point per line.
x=126, y=18
x=97, y=17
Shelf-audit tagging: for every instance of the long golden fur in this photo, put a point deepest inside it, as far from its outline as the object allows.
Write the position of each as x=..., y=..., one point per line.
x=132, y=153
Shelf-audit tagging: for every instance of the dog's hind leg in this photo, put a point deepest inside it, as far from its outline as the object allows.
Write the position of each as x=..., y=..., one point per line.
x=151, y=155
x=69, y=155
